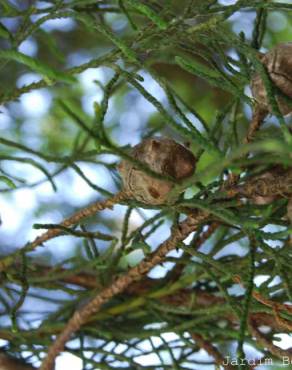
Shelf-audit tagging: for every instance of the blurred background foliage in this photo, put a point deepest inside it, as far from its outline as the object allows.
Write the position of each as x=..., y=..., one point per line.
x=57, y=59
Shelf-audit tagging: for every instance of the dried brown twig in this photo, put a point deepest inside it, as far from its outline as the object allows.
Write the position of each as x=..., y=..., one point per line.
x=70, y=221
x=119, y=285
x=276, y=307
x=259, y=114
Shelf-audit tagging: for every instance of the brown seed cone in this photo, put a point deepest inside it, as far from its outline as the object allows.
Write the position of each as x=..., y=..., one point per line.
x=269, y=186
x=278, y=63
x=261, y=200
x=164, y=156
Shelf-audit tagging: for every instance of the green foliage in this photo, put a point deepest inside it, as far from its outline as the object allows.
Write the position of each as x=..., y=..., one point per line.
x=8, y=182
x=81, y=81
x=48, y=73
x=149, y=13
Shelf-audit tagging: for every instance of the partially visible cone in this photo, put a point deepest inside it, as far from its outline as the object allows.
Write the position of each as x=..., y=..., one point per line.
x=278, y=63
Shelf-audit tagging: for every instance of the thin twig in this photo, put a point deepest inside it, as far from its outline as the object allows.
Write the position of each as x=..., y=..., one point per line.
x=264, y=342
x=136, y=273
x=258, y=117
x=72, y=220
x=212, y=351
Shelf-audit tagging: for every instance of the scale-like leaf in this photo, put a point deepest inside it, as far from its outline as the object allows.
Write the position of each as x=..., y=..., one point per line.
x=37, y=66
